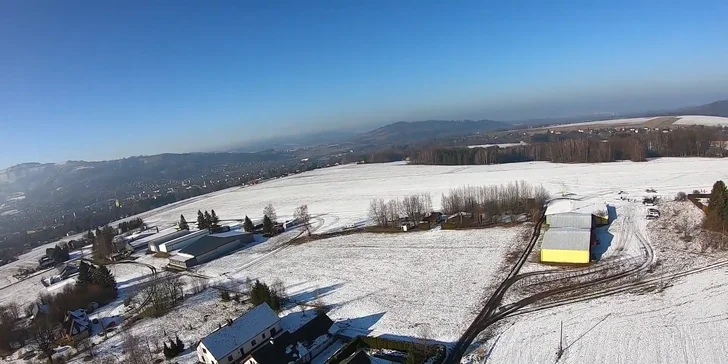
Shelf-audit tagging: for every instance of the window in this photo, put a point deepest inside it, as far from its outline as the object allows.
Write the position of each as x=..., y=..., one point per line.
x=204, y=350
x=230, y=358
x=263, y=335
x=272, y=332
x=252, y=343
x=242, y=351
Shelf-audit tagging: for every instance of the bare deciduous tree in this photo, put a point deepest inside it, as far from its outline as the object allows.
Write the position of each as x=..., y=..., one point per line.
x=269, y=211
x=303, y=217
x=165, y=292
x=415, y=207
x=136, y=350
x=44, y=337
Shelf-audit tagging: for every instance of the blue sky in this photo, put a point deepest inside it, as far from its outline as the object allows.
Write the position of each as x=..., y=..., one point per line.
x=99, y=80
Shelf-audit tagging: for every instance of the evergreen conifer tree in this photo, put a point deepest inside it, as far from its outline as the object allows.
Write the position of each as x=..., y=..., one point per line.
x=201, y=223
x=214, y=220
x=248, y=225
x=183, y=223
x=267, y=225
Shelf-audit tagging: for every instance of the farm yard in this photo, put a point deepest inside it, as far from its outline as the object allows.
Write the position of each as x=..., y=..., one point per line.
x=396, y=284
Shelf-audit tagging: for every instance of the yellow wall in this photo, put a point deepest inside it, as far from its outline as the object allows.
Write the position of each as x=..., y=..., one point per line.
x=565, y=256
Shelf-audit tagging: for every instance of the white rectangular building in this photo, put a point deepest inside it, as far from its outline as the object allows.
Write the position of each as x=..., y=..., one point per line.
x=236, y=340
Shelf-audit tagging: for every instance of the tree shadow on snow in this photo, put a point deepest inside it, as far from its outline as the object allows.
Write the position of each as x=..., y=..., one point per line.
x=312, y=295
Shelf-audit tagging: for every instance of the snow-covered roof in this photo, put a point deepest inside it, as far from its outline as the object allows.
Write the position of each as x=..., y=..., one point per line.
x=566, y=239
x=563, y=205
x=229, y=338
x=570, y=219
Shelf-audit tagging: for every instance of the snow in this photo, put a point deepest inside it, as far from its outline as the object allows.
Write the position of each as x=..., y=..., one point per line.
x=702, y=120
x=615, y=122
x=340, y=196
x=387, y=283
x=503, y=145
x=391, y=283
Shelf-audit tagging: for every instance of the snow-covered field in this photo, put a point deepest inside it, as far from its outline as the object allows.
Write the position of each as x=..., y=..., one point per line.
x=392, y=283
x=396, y=283
x=341, y=195
x=702, y=120
x=682, y=120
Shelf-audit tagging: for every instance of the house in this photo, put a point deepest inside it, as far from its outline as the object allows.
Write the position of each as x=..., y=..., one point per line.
x=209, y=248
x=76, y=325
x=66, y=270
x=572, y=205
x=298, y=347
x=239, y=337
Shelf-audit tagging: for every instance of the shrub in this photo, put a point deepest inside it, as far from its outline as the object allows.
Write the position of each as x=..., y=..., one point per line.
x=225, y=296
x=681, y=196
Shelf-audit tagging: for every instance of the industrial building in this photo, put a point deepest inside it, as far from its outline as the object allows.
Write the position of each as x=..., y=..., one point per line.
x=570, y=205
x=178, y=242
x=209, y=248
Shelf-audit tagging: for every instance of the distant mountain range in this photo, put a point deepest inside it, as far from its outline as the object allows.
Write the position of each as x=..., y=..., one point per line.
x=718, y=108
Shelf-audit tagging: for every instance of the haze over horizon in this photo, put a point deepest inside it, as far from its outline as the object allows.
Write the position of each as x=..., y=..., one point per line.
x=89, y=81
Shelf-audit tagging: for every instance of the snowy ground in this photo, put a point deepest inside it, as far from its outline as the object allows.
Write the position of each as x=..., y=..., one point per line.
x=343, y=193
x=394, y=283
x=702, y=120
x=674, y=325
x=390, y=283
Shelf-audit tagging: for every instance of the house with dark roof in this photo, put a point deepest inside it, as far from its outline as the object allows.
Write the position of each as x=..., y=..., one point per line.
x=237, y=339
x=209, y=248
x=298, y=347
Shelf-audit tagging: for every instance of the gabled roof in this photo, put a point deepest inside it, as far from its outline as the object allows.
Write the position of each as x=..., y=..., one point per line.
x=360, y=358
x=209, y=243
x=281, y=350
x=317, y=327
x=566, y=239
x=229, y=338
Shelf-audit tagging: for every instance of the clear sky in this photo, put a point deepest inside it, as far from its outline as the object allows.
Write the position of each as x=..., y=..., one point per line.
x=106, y=79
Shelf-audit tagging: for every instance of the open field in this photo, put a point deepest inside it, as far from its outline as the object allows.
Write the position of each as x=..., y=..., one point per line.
x=395, y=284
x=341, y=195
x=650, y=122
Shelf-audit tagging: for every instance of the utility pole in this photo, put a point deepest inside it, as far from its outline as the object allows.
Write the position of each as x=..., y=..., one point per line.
x=560, y=351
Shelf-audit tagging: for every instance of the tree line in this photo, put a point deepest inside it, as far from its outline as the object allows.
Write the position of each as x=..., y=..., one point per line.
x=388, y=214
x=491, y=203
x=689, y=142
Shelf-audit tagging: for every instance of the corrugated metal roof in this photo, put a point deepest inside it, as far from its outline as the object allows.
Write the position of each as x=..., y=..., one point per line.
x=570, y=219
x=563, y=205
x=566, y=239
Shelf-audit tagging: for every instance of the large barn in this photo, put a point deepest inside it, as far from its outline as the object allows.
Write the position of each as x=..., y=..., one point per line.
x=566, y=245
x=209, y=248
x=569, y=233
